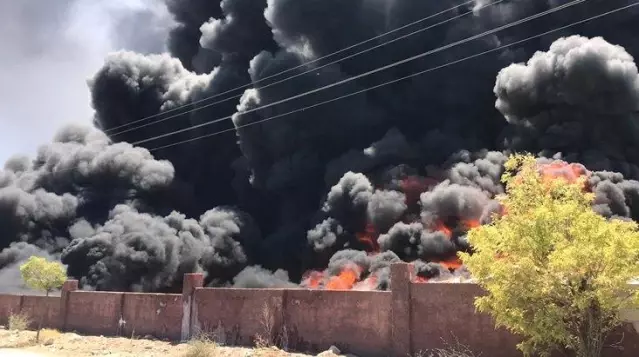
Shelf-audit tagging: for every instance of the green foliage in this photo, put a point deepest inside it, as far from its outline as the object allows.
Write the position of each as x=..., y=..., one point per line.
x=40, y=274
x=555, y=272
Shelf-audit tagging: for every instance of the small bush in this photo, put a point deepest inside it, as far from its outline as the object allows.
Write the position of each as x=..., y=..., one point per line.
x=18, y=322
x=266, y=338
x=271, y=338
x=202, y=346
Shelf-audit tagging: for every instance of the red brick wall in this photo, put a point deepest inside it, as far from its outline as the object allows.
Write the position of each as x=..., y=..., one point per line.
x=355, y=321
x=100, y=313
x=406, y=320
x=444, y=313
x=304, y=320
x=158, y=315
x=239, y=312
x=42, y=309
x=9, y=304
x=94, y=313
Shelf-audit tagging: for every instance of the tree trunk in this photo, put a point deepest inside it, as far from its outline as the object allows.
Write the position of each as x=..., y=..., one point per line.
x=592, y=333
x=40, y=322
x=590, y=348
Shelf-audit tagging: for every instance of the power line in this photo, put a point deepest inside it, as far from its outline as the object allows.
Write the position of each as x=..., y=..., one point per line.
x=390, y=82
x=248, y=85
x=402, y=78
x=348, y=80
x=314, y=69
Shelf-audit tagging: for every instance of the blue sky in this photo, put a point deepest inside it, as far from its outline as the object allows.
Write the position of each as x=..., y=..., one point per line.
x=49, y=48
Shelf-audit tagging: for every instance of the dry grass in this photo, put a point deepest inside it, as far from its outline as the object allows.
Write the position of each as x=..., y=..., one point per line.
x=455, y=350
x=201, y=346
x=29, y=339
x=49, y=336
x=269, y=352
x=18, y=322
x=215, y=335
x=74, y=345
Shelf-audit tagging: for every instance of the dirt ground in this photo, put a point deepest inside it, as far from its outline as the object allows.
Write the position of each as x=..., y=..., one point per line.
x=55, y=344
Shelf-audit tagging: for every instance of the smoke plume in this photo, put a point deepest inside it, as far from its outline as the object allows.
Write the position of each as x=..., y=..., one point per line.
x=330, y=196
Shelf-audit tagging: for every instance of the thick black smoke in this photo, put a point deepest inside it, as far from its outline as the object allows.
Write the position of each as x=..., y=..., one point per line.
x=80, y=176
x=397, y=173
x=140, y=251
x=184, y=38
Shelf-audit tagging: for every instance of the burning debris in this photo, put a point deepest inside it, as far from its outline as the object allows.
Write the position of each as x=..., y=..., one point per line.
x=353, y=270
x=326, y=198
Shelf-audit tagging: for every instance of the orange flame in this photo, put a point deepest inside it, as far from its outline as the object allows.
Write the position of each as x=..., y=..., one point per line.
x=345, y=280
x=369, y=237
x=557, y=169
x=466, y=223
x=369, y=283
x=441, y=227
x=413, y=186
x=503, y=210
x=471, y=223
x=451, y=264
x=313, y=279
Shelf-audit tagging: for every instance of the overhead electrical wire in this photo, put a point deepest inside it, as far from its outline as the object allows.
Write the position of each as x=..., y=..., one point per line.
x=248, y=85
x=368, y=73
x=314, y=69
x=400, y=79
x=389, y=82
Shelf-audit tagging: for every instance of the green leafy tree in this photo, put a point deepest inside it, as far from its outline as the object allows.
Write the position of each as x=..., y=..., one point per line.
x=555, y=272
x=40, y=274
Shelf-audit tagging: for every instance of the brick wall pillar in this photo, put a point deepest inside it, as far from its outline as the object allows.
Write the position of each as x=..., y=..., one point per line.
x=67, y=288
x=191, y=282
x=401, y=333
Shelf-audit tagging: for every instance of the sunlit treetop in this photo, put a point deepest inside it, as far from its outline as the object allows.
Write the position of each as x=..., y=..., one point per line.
x=549, y=262
x=40, y=274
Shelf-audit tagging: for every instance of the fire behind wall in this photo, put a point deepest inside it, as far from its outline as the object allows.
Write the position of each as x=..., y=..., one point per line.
x=326, y=197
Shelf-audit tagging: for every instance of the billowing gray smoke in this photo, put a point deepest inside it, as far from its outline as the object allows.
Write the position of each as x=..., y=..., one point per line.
x=402, y=171
x=140, y=251
x=571, y=99
x=81, y=175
